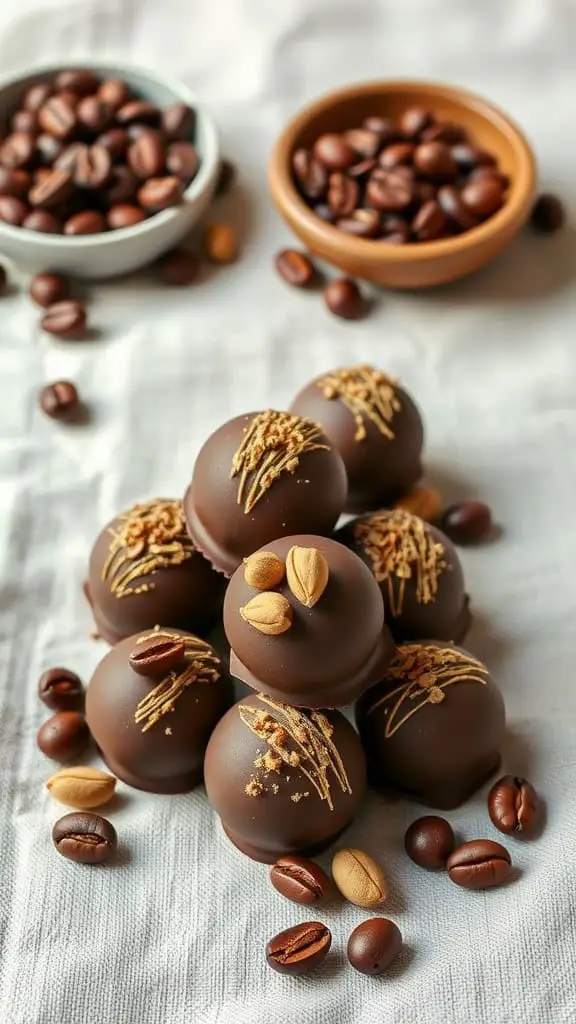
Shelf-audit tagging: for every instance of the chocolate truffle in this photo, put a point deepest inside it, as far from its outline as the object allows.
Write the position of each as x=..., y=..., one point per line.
x=419, y=573
x=262, y=476
x=151, y=706
x=375, y=426
x=434, y=726
x=305, y=622
x=144, y=570
x=283, y=780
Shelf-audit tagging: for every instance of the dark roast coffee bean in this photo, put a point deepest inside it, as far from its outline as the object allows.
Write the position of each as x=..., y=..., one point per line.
x=455, y=210
x=364, y=142
x=178, y=122
x=14, y=183
x=361, y=223
x=68, y=157
x=178, y=267
x=480, y=173
x=36, y=96
x=435, y=160
x=65, y=319
x=311, y=176
x=48, y=148
x=362, y=169
x=138, y=110
x=46, y=289
x=60, y=401
x=343, y=298
x=299, y=949
x=115, y=141
x=88, y=222
x=85, y=838
x=469, y=522
x=424, y=191
x=479, y=864
x=413, y=121
x=94, y=114
x=17, y=151
x=42, y=220
x=396, y=154
x=64, y=737
x=78, y=80
x=373, y=945
x=513, y=805
x=343, y=194
x=182, y=161
x=124, y=215
x=57, y=118
x=160, y=193
x=334, y=152
x=429, y=841
x=444, y=131
x=52, y=191
x=122, y=186
x=12, y=211
x=156, y=656
x=92, y=167
x=391, y=190
x=226, y=176
x=60, y=689
x=483, y=197
x=147, y=156
x=295, y=267
x=383, y=127
x=299, y=879
x=430, y=222
x=548, y=214
x=113, y=92
x=467, y=156
x=24, y=121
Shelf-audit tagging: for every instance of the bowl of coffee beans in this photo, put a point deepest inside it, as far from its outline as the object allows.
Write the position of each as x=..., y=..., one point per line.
x=407, y=184
x=102, y=167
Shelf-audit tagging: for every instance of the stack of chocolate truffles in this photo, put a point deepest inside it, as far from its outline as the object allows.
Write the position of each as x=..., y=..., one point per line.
x=312, y=614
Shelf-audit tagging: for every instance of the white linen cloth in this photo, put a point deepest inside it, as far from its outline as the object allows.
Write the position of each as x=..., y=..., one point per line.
x=175, y=933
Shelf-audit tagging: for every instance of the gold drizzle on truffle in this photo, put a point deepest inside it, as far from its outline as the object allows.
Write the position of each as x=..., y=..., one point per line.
x=367, y=393
x=146, y=538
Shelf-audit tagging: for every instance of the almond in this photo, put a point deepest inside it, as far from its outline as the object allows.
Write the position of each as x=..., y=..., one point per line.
x=423, y=502
x=220, y=243
x=269, y=613
x=359, y=878
x=264, y=570
x=82, y=787
x=307, y=573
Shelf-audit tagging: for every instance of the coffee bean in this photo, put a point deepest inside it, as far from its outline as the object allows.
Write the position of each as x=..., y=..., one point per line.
x=57, y=118
x=46, y=289
x=399, y=153
x=17, y=151
x=226, y=177
x=137, y=130
x=220, y=243
x=88, y=222
x=413, y=121
x=391, y=190
x=115, y=142
x=323, y=211
x=94, y=114
x=138, y=110
x=424, y=191
x=435, y=160
x=469, y=522
x=48, y=148
x=12, y=211
x=430, y=222
x=548, y=214
x=124, y=215
x=178, y=122
x=467, y=156
x=85, y=838
x=160, y=193
x=444, y=131
x=361, y=223
x=24, y=121
x=113, y=92
x=78, y=80
x=147, y=156
x=334, y=152
x=156, y=656
x=299, y=949
x=182, y=161
x=363, y=141
x=362, y=169
x=455, y=210
x=383, y=127
x=122, y=186
x=397, y=237
x=69, y=97
x=14, y=183
x=64, y=737
x=374, y=945
x=311, y=176
x=65, y=319
x=60, y=689
x=60, y=401
x=43, y=221
x=36, y=96
x=92, y=167
x=513, y=805
x=483, y=197
x=480, y=173
x=295, y=267
x=429, y=841
x=178, y=267
x=343, y=194
x=343, y=298
x=479, y=864
x=299, y=879
x=68, y=157
x=53, y=191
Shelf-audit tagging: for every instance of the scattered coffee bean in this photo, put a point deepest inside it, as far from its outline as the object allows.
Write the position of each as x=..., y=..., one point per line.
x=115, y=142
x=344, y=299
x=399, y=153
x=299, y=949
x=14, y=182
x=226, y=177
x=295, y=267
x=138, y=111
x=24, y=121
x=54, y=190
x=158, y=194
x=483, y=196
x=61, y=690
x=12, y=211
x=548, y=214
x=373, y=945
x=359, y=878
x=147, y=156
x=65, y=319
x=299, y=879
x=178, y=122
x=178, y=267
x=88, y=222
x=64, y=737
x=430, y=222
x=156, y=656
x=220, y=243
x=17, y=151
x=36, y=96
x=46, y=289
x=78, y=80
x=42, y=220
x=58, y=118
x=469, y=522
x=334, y=152
x=414, y=121
x=513, y=805
x=182, y=161
x=85, y=838
x=479, y=864
x=124, y=215
x=429, y=841
x=60, y=400
x=114, y=93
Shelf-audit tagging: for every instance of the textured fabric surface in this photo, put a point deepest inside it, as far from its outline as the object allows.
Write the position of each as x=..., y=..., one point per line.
x=176, y=931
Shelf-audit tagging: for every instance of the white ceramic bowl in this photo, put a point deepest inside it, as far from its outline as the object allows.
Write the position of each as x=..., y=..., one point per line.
x=115, y=252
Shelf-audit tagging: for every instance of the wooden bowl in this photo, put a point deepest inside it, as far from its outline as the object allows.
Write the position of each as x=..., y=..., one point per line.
x=421, y=264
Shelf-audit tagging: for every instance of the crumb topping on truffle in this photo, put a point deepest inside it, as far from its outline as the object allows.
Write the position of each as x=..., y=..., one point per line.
x=146, y=538
x=367, y=393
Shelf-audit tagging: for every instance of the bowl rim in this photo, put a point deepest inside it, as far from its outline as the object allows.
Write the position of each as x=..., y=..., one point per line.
x=286, y=195
x=203, y=181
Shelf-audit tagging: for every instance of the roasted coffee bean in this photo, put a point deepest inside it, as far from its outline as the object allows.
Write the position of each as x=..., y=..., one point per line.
x=480, y=173
x=92, y=167
x=124, y=215
x=78, y=80
x=94, y=114
x=373, y=945
x=60, y=689
x=483, y=197
x=113, y=92
x=178, y=267
x=399, y=153
x=147, y=156
x=17, y=151
x=295, y=267
x=85, y=838
x=69, y=97
x=468, y=522
x=429, y=841
x=311, y=176
x=299, y=949
x=362, y=169
x=43, y=221
x=24, y=121
x=548, y=214
x=48, y=148
x=513, y=805
x=68, y=157
x=383, y=127
x=54, y=190
x=361, y=223
x=226, y=176
x=40, y=175
x=87, y=222
x=391, y=190
x=343, y=194
x=122, y=186
x=435, y=160
x=12, y=211
x=325, y=213
x=182, y=161
x=334, y=152
x=60, y=400
x=36, y=96
x=65, y=319
x=57, y=118
x=430, y=222
x=138, y=111
x=46, y=289
x=178, y=122
x=299, y=879
x=64, y=737
x=413, y=121
x=14, y=183
x=444, y=131
x=468, y=156
x=479, y=864
x=160, y=193
x=156, y=656
x=363, y=141
x=115, y=141
x=455, y=209
x=343, y=298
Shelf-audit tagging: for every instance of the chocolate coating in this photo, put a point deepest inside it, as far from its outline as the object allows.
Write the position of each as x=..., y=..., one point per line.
x=278, y=794
x=332, y=652
x=375, y=426
x=131, y=588
x=304, y=488
x=419, y=573
x=157, y=745
x=434, y=726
